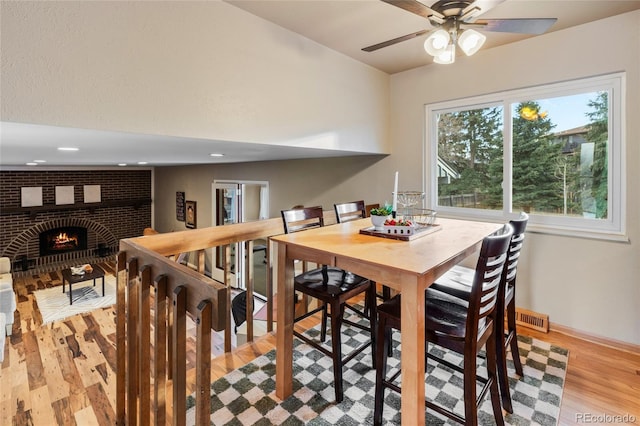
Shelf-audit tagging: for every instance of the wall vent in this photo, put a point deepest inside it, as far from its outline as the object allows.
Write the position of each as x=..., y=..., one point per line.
x=533, y=320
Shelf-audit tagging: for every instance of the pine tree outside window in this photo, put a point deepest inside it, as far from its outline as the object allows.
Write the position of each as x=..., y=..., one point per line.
x=555, y=152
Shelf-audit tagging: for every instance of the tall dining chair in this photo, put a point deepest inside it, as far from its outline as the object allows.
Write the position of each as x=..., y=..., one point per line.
x=352, y=210
x=457, y=282
x=462, y=327
x=333, y=287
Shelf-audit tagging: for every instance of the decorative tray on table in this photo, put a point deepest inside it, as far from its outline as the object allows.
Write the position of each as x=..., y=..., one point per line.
x=402, y=233
x=411, y=224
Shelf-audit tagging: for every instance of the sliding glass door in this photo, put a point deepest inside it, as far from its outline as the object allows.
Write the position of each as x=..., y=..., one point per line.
x=236, y=202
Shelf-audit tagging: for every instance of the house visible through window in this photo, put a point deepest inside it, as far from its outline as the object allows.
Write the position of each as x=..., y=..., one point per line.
x=553, y=151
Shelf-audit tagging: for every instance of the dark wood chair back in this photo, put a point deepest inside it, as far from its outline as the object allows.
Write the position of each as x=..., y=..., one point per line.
x=370, y=207
x=296, y=220
x=517, y=240
x=350, y=211
x=489, y=274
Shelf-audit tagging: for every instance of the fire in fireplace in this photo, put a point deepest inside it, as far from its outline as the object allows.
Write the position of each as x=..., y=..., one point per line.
x=61, y=240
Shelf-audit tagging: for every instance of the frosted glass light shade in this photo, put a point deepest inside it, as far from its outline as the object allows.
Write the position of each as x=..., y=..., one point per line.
x=448, y=56
x=470, y=41
x=437, y=42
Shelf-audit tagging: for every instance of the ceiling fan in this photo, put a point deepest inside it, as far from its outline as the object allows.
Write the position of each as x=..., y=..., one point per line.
x=453, y=22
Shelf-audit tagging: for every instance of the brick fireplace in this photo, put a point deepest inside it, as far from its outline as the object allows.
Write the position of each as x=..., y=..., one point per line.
x=51, y=236
x=62, y=240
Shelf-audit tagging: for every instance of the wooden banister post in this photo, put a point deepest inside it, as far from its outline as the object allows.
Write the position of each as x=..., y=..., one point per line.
x=160, y=348
x=203, y=363
x=269, y=287
x=144, y=345
x=132, y=342
x=226, y=254
x=179, y=331
x=121, y=337
x=249, y=286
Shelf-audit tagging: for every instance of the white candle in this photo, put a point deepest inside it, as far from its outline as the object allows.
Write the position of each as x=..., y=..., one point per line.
x=395, y=194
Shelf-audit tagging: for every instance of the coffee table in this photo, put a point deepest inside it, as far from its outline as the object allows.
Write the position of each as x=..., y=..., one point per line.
x=68, y=277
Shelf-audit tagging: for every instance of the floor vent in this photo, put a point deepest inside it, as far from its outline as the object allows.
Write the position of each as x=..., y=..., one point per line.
x=533, y=320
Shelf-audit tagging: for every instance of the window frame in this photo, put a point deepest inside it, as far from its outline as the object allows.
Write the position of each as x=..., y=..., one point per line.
x=612, y=228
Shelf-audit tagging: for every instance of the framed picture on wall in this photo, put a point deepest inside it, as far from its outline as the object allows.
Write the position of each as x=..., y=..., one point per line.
x=180, y=206
x=190, y=219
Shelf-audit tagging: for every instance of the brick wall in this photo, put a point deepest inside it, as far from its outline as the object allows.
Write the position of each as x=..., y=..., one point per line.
x=115, y=185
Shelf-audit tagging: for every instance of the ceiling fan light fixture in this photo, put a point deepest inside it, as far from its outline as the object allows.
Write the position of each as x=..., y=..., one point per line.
x=448, y=56
x=437, y=42
x=470, y=41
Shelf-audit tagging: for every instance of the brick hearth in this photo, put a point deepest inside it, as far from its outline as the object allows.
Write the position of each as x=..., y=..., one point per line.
x=124, y=212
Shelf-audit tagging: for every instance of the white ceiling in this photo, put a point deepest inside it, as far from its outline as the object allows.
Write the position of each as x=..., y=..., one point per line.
x=349, y=25
x=19, y=142
x=342, y=25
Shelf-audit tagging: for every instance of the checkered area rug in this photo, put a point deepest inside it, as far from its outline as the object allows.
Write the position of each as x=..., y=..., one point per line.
x=247, y=396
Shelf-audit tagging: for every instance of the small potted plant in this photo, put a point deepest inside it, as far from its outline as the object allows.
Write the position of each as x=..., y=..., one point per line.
x=379, y=215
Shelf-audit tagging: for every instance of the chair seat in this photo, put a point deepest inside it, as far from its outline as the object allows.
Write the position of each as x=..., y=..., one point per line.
x=445, y=313
x=457, y=282
x=337, y=283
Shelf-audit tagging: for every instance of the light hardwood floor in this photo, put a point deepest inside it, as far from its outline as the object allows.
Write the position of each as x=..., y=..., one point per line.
x=64, y=373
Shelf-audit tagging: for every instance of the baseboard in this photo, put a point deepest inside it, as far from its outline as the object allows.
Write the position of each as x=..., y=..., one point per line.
x=594, y=338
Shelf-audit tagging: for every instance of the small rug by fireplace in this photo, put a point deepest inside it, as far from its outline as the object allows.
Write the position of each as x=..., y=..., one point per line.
x=54, y=304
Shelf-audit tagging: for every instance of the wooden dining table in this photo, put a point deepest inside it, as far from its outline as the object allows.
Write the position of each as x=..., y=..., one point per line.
x=406, y=266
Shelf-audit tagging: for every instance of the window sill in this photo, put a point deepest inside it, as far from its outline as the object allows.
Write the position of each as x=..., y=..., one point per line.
x=545, y=229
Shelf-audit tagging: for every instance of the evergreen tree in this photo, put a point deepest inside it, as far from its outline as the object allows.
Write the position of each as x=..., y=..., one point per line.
x=598, y=134
x=534, y=161
x=467, y=141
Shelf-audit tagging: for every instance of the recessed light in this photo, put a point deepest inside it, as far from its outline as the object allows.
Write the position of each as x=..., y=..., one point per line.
x=67, y=148
x=142, y=163
x=122, y=164
x=216, y=155
x=39, y=161
x=32, y=164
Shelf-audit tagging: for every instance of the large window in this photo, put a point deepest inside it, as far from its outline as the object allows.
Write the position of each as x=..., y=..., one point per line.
x=552, y=151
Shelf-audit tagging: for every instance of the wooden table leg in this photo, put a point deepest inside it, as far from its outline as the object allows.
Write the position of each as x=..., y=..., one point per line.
x=284, y=330
x=413, y=353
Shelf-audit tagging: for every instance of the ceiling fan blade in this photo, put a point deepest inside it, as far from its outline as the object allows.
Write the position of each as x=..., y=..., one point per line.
x=524, y=25
x=416, y=7
x=481, y=7
x=394, y=41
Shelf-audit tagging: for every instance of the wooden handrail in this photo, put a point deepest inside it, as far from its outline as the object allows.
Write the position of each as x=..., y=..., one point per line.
x=143, y=264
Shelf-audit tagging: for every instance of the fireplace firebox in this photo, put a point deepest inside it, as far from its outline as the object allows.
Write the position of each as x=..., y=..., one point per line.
x=62, y=240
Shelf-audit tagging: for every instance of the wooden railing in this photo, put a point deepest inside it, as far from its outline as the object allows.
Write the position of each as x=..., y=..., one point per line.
x=144, y=263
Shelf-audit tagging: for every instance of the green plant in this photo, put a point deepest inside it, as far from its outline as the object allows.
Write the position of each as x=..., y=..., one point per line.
x=382, y=211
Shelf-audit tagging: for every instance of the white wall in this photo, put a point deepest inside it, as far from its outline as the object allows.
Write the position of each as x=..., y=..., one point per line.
x=194, y=69
x=590, y=285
